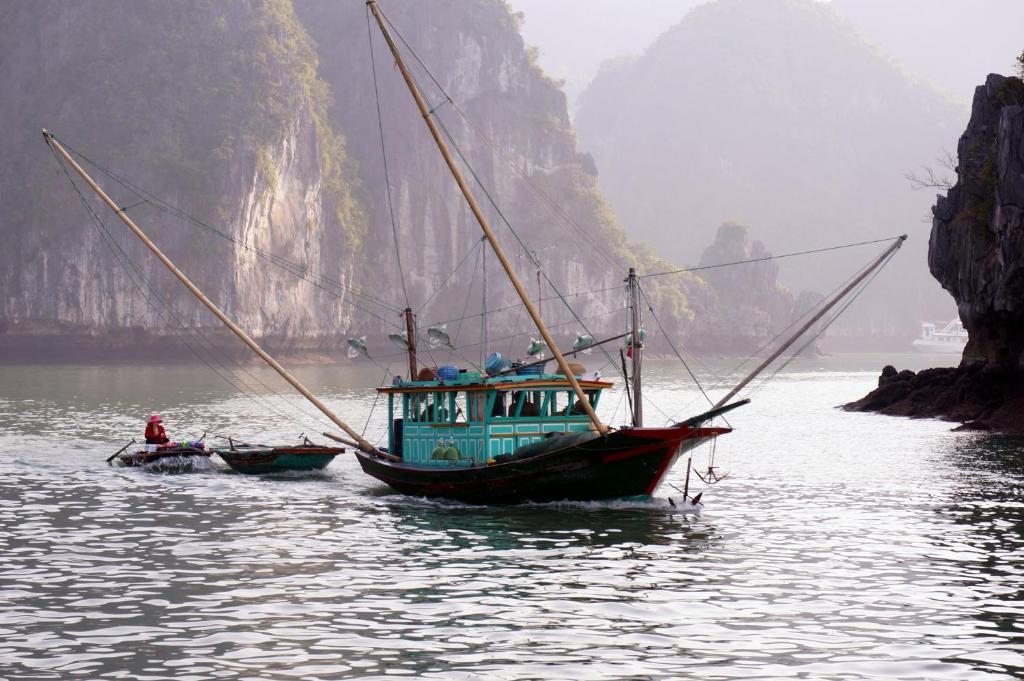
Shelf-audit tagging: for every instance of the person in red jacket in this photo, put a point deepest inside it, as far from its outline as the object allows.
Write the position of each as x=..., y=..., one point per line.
x=155, y=434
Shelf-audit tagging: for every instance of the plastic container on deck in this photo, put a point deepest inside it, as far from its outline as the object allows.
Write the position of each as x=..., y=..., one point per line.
x=495, y=363
x=535, y=370
x=448, y=373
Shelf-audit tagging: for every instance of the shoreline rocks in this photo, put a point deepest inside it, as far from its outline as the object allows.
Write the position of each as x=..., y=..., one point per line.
x=979, y=398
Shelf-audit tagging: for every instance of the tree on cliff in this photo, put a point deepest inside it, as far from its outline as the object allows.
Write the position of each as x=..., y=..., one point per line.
x=1020, y=64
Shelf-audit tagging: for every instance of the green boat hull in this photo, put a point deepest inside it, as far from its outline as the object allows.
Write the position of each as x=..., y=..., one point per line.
x=255, y=460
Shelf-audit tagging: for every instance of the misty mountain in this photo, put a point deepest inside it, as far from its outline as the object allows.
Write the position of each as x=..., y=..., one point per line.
x=574, y=37
x=776, y=114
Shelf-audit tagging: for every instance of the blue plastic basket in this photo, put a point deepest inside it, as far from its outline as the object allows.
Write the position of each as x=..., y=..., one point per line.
x=448, y=373
x=535, y=370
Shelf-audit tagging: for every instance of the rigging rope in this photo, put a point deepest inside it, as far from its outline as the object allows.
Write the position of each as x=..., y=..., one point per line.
x=164, y=311
x=376, y=397
x=767, y=257
x=315, y=278
x=522, y=244
x=480, y=184
x=451, y=274
x=517, y=167
x=465, y=306
x=384, y=156
x=668, y=339
x=825, y=324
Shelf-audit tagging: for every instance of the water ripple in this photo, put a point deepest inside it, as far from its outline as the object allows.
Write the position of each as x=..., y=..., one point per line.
x=873, y=549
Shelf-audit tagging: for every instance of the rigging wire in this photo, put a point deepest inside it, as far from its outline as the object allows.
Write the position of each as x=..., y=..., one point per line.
x=722, y=382
x=451, y=274
x=465, y=306
x=465, y=161
x=514, y=233
x=164, y=310
x=480, y=184
x=384, y=156
x=668, y=339
x=550, y=326
x=556, y=207
x=373, y=406
x=520, y=305
x=767, y=257
x=824, y=326
x=725, y=381
x=321, y=281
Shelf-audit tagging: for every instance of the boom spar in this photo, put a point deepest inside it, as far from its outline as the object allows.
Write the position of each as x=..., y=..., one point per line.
x=242, y=335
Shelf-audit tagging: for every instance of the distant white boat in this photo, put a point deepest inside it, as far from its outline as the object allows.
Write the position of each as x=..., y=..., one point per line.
x=951, y=339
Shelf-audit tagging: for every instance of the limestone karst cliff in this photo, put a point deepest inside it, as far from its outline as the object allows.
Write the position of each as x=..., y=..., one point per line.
x=976, y=249
x=214, y=106
x=741, y=308
x=510, y=121
x=259, y=117
x=977, y=253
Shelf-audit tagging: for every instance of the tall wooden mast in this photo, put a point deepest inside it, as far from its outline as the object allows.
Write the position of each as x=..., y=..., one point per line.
x=479, y=215
x=636, y=347
x=410, y=336
x=294, y=382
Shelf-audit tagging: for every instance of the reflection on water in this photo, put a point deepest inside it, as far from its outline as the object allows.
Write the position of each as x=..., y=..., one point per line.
x=989, y=504
x=842, y=546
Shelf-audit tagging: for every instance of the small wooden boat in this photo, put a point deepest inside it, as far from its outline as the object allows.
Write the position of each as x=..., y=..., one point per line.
x=177, y=456
x=257, y=459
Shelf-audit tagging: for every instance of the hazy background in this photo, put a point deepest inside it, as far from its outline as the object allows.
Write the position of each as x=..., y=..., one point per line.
x=798, y=119
x=951, y=43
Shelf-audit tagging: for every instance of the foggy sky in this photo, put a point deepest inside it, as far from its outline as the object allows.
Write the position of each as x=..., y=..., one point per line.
x=951, y=43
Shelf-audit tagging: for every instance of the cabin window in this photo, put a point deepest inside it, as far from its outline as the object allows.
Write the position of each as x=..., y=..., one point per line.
x=556, y=404
x=545, y=403
x=531, y=404
x=451, y=400
x=496, y=404
x=476, y=405
x=517, y=404
x=525, y=404
x=440, y=412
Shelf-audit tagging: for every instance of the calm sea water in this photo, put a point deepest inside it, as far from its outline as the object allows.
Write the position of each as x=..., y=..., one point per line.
x=840, y=546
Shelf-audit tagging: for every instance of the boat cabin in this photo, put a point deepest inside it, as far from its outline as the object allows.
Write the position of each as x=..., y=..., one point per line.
x=471, y=420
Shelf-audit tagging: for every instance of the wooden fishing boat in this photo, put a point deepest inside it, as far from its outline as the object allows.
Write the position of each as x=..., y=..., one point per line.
x=176, y=456
x=259, y=459
x=537, y=448
x=512, y=439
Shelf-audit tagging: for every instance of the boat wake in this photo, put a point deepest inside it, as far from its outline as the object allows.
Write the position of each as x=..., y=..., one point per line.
x=677, y=505
x=180, y=464
x=317, y=474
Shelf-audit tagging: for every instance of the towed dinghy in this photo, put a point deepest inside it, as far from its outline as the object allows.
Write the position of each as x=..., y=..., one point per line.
x=259, y=459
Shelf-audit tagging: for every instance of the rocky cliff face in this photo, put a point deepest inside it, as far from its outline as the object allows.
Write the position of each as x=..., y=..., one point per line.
x=977, y=253
x=216, y=107
x=976, y=250
x=515, y=134
x=222, y=108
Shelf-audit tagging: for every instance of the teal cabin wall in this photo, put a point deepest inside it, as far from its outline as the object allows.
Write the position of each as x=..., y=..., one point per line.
x=439, y=419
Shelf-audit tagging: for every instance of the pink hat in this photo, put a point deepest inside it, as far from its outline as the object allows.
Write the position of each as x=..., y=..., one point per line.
x=155, y=418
